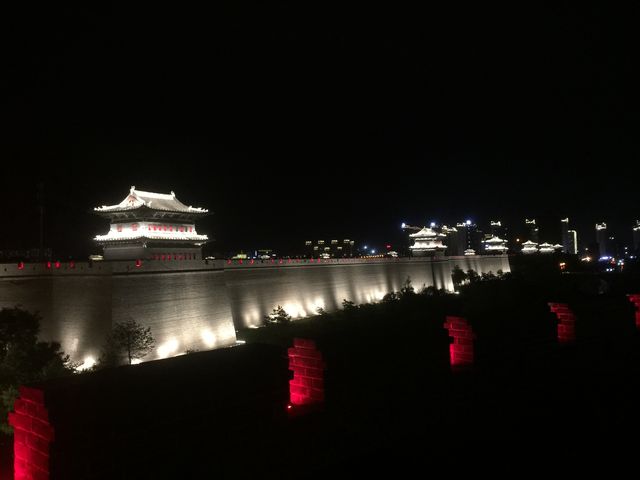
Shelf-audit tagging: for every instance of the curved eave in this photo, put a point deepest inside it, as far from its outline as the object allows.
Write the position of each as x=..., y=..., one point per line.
x=144, y=211
x=152, y=243
x=145, y=239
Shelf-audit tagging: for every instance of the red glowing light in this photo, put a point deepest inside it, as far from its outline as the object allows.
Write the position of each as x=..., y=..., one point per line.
x=20, y=265
x=57, y=264
x=240, y=261
x=251, y=262
x=138, y=263
x=461, y=352
x=566, y=322
x=32, y=435
x=307, y=385
x=48, y=264
x=635, y=299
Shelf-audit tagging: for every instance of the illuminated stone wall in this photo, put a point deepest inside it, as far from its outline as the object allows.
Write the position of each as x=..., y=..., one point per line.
x=255, y=290
x=185, y=310
x=196, y=305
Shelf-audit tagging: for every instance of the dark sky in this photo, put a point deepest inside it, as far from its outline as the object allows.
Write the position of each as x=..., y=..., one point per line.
x=319, y=120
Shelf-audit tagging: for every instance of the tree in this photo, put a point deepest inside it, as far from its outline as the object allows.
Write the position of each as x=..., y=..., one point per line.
x=348, y=305
x=407, y=289
x=458, y=276
x=390, y=297
x=278, y=316
x=488, y=276
x=127, y=341
x=473, y=276
x=23, y=359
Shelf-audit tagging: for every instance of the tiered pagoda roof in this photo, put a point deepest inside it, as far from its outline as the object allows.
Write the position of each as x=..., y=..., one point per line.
x=140, y=204
x=495, y=244
x=427, y=240
x=151, y=219
x=548, y=248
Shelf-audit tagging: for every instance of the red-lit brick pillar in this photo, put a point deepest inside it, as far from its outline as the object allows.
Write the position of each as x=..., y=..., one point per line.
x=32, y=434
x=635, y=299
x=461, y=352
x=566, y=322
x=307, y=385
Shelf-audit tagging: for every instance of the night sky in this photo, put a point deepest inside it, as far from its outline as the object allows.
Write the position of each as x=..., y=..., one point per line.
x=296, y=122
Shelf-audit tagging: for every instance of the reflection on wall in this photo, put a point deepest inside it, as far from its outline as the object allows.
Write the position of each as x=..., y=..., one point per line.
x=301, y=290
x=185, y=311
x=197, y=310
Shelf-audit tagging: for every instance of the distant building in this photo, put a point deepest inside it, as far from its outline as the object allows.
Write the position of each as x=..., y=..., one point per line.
x=497, y=229
x=636, y=236
x=455, y=245
x=469, y=236
x=495, y=246
x=571, y=247
x=546, y=248
x=333, y=248
x=532, y=230
x=529, y=247
x=602, y=239
x=569, y=238
x=564, y=229
x=264, y=253
x=427, y=242
x=147, y=225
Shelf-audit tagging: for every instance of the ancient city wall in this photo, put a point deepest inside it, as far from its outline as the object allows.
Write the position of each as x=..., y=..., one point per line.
x=197, y=305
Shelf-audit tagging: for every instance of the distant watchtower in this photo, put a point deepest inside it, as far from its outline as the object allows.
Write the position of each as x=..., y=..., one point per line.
x=151, y=226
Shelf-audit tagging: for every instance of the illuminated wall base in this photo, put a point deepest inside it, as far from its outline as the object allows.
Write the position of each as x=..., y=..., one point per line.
x=194, y=305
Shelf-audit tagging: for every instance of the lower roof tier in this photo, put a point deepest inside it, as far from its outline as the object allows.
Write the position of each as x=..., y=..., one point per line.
x=144, y=237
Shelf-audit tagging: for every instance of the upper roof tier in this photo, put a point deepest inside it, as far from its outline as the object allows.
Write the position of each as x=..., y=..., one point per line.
x=496, y=240
x=426, y=232
x=160, y=202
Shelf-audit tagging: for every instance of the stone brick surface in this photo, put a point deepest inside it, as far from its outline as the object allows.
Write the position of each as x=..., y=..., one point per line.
x=32, y=435
x=461, y=350
x=307, y=364
x=566, y=322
